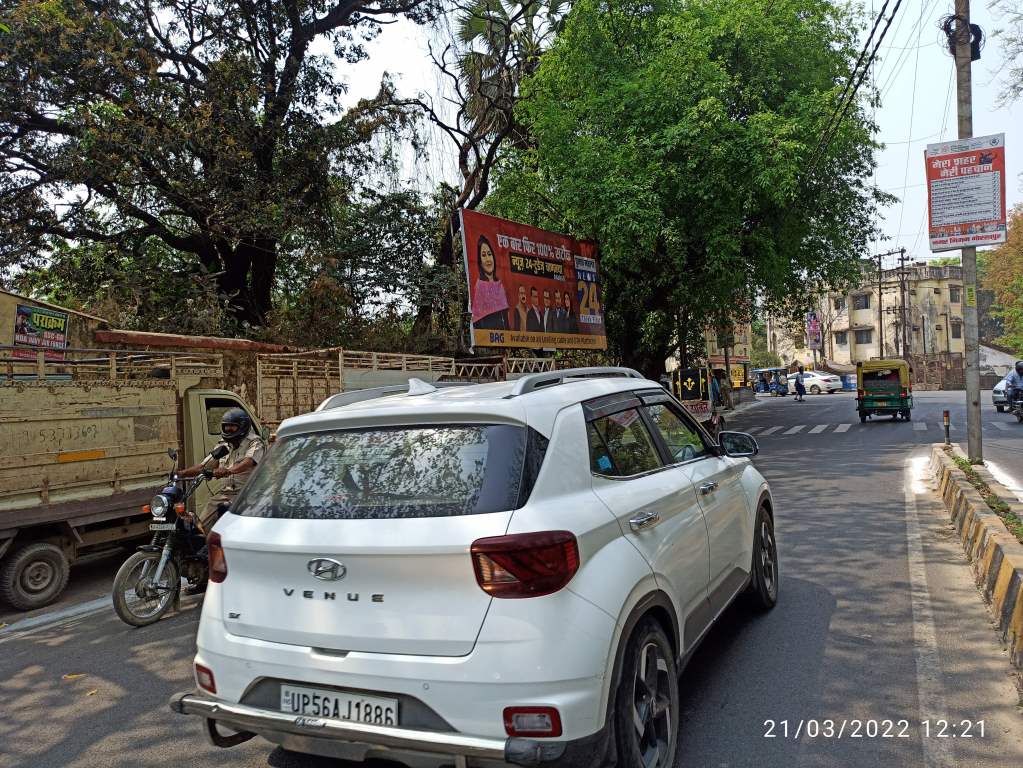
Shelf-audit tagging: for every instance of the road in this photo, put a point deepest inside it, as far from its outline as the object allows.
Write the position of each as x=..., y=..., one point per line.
x=878, y=620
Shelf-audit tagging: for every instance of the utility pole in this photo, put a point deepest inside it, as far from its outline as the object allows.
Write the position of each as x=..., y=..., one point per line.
x=964, y=108
x=880, y=308
x=903, y=300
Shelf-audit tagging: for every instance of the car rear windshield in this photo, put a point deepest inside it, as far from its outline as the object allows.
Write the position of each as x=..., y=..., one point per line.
x=429, y=471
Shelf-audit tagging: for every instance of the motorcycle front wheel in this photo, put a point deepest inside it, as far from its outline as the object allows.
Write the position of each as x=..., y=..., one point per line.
x=138, y=600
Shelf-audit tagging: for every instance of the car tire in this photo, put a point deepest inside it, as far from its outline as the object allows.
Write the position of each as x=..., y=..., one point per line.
x=1000, y=408
x=815, y=390
x=762, y=592
x=646, y=708
x=33, y=576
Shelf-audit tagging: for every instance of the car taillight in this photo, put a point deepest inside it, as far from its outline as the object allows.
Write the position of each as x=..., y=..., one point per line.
x=905, y=392
x=218, y=563
x=525, y=564
x=204, y=677
x=532, y=721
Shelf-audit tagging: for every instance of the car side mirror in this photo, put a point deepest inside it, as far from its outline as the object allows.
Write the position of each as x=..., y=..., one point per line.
x=738, y=444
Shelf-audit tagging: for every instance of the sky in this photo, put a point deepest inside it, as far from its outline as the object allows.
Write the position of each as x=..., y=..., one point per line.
x=914, y=73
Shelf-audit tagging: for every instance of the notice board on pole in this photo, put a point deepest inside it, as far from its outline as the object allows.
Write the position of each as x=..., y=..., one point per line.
x=966, y=192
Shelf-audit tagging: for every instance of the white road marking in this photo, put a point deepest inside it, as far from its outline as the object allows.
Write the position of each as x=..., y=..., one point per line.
x=937, y=752
x=795, y=429
x=751, y=430
x=50, y=618
x=920, y=426
x=1005, y=479
x=770, y=431
x=818, y=429
x=999, y=425
x=843, y=427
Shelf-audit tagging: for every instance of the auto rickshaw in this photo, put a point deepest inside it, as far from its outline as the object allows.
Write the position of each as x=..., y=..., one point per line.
x=772, y=380
x=883, y=388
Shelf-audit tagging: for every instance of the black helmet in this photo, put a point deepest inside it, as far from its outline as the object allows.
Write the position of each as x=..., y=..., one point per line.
x=234, y=424
x=1019, y=367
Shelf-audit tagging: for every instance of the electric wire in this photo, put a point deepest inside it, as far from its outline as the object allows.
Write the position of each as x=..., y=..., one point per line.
x=912, y=115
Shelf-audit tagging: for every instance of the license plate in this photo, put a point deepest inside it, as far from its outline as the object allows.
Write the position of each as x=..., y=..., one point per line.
x=375, y=710
x=162, y=526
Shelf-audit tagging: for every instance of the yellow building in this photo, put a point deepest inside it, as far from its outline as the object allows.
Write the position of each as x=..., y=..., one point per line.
x=927, y=300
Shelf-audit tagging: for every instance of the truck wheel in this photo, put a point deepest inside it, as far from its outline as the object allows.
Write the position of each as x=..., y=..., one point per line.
x=34, y=576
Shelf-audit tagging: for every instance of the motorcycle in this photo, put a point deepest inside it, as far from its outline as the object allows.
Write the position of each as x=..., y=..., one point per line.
x=1016, y=403
x=148, y=583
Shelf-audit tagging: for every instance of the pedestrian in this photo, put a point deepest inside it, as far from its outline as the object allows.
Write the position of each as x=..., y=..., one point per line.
x=800, y=387
x=726, y=392
x=715, y=389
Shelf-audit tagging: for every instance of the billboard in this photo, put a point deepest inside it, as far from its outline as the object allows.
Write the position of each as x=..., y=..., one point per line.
x=966, y=192
x=531, y=288
x=813, y=330
x=37, y=328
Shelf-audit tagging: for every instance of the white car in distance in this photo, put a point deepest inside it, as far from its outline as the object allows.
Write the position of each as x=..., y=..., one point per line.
x=816, y=382
x=499, y=574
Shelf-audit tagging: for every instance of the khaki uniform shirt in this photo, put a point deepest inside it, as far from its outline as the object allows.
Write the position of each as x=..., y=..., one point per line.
x=252, y=447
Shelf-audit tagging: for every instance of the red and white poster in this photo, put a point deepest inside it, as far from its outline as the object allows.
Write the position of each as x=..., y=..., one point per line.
x=531, y=288
x=966, y=192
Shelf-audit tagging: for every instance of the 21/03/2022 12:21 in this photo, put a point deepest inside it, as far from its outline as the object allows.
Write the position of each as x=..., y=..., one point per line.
x=829, y=728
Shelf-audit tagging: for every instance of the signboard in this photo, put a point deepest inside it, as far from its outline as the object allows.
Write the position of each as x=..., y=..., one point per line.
x=39, y=328
x=813, y=330
x=691, y=384
x=531, y=288
x=966, y=192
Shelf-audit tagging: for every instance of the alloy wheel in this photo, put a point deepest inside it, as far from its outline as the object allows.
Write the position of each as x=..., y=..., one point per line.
x=651, y=708
x=768, y=558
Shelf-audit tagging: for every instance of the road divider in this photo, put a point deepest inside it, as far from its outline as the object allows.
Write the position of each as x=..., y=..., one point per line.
x=994, y=552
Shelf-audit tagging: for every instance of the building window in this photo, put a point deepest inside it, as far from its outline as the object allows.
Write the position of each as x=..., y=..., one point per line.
x=937, y=291
x=861, y=301
x=840, y=303
x=954, y=294
x=841, y=338
x=864, y=337
x=957, y=330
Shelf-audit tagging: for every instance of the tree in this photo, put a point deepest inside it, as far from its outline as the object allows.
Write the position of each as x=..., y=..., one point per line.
x=213, y=128
x=1003, y=274
x=684, y=137
x=1011, y=36
x=760, y=354
x=496, y=45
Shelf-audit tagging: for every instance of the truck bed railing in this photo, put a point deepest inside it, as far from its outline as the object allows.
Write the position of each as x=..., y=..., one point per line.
x=29, y=363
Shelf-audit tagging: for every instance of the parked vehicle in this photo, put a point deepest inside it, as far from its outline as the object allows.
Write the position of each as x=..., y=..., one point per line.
x=767, y=380
x=883, y=388
x=83, y=440
x=149, y=582
x=816, y=382
x=998, y=397
x=507, y=573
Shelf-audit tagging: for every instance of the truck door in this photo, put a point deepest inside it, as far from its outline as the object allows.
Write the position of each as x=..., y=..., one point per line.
x=204, y=410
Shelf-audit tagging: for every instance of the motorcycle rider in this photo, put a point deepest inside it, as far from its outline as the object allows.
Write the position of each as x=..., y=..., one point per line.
x=1013, y=383
x=246, y=449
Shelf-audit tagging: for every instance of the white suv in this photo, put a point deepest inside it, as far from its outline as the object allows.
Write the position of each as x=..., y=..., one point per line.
x=510, y=573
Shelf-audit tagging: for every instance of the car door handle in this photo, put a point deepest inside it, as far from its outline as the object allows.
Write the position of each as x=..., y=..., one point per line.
x=707, y=488
x=645, y=520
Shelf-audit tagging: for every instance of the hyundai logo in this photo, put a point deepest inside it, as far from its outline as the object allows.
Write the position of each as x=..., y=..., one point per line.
x=326, y=569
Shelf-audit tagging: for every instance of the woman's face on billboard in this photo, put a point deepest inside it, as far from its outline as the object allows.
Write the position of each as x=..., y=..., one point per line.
x=487, y=259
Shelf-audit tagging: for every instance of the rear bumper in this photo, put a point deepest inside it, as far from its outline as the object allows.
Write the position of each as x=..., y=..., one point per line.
x=249, y=721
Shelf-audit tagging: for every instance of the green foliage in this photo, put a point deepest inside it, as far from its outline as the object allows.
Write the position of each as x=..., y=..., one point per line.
x=760, y=355
x=680, y=136
x=1001, y=271
x=211, y=127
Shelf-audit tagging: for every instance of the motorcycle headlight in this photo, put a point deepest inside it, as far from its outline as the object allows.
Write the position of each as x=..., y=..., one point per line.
x=159, y=506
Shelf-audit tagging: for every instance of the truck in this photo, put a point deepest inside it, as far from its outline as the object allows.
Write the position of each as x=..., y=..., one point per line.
x=84, y=439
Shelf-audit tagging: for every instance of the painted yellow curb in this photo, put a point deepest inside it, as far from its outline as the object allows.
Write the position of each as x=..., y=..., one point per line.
x=995, y=554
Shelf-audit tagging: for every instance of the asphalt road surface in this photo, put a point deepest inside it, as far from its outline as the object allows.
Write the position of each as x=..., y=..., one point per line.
x=879, y=635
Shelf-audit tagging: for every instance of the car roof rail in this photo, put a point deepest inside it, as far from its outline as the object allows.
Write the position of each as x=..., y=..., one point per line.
x=535, y=381
x=414, y=387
